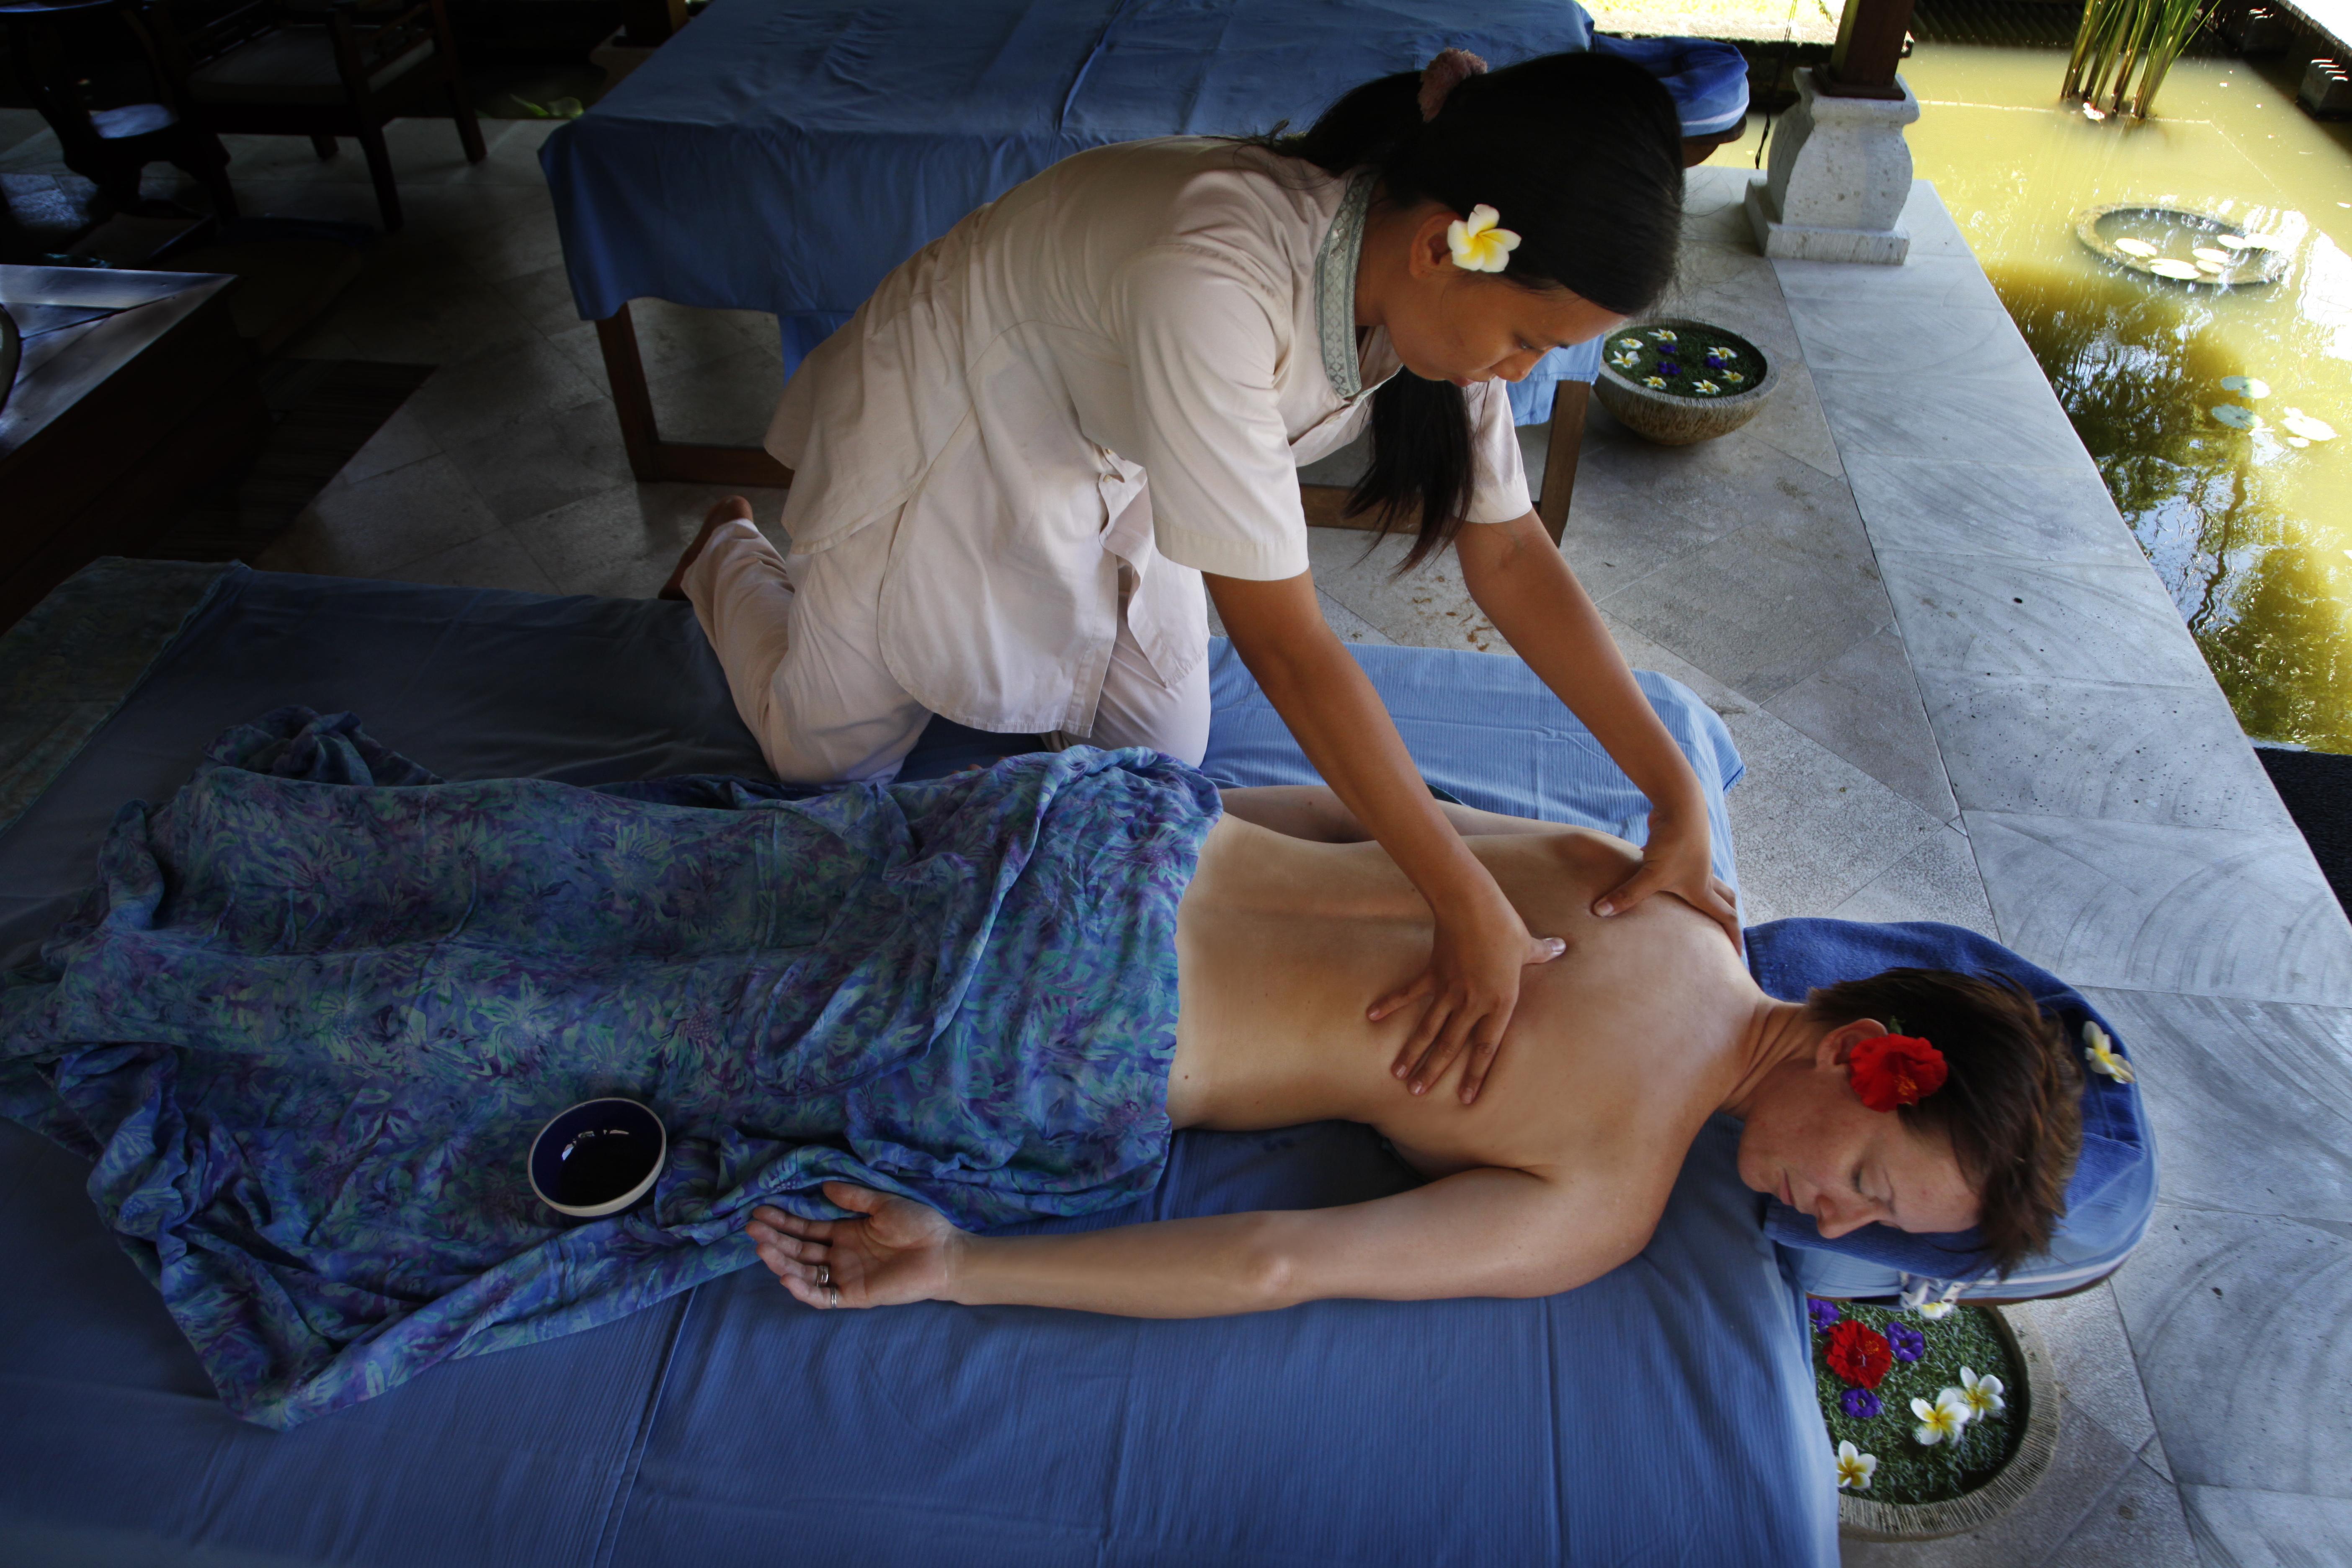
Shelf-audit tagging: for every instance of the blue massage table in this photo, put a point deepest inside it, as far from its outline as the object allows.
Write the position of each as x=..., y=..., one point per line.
x=784, y=155
x=1663, y=1415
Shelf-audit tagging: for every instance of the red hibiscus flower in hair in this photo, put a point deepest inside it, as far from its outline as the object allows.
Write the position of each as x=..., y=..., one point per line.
x=1894, y=1069
x=1859, y=1353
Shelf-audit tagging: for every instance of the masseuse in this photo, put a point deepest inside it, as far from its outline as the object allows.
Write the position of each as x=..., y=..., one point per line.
x=1018, y=467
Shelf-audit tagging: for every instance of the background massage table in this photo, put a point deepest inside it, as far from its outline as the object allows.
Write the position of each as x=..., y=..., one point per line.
x=784, y=155
x=1663, y=1415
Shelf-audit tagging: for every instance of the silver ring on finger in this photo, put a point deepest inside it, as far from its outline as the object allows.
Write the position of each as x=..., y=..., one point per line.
x=833, y=1295
x=825, y=1276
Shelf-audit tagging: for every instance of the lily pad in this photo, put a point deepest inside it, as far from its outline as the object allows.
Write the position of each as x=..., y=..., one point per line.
x=2298, y=422
x=2169, y=267
x=2246, y=386
x=2139, y=247
x=2235, y=415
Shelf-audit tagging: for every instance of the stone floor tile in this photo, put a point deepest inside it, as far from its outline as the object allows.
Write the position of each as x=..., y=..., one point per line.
x=1978, y=508
x=1996, y=616
x=623, y=541
x=2242, y=1325
x=1944, y=281
x=1714, y=210
x=1762, y=608
x=1923, y=340
x=2084, y=1471
x=1794, y=423
x=1811, y=828
x=2076, y=748
x=672, y=338
x=2142, y=906
x=1937, y=881
x=2091, y=1353
x=1641, y=653
x=2240, y=1527
x=364, y=529
x=482, y=394
x=1428, y=607
x=545, y=298
x=496, y=560
x=1929, y=223
x=725, y=402
x=1864, y=705
x=1351, y=627
x=443, y=320
x=1620, y=530
x=399, y=441
x=2252, y=1101
x=1894, y=415
x=513, y=248
x=546, y=459
x=2139, y=1524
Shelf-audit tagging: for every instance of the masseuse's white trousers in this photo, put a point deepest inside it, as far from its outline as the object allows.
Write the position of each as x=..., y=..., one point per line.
x=801, y=644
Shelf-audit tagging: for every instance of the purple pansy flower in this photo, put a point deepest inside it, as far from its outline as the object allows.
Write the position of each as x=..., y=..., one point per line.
x=1907, y=1343
x=1860, y=1404
x=1824, y=1314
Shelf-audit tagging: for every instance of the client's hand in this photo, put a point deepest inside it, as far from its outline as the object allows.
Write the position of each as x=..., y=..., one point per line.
x=898, y=1250
x=1473, y=986
x=1677, y=859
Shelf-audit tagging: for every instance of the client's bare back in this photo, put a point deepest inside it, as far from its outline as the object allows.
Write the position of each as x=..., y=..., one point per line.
x=1618, y=1050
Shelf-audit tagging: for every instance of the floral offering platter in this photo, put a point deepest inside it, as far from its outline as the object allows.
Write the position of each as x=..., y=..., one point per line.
x=2183, y=246
x=1940, y=1418
x=1677, y=381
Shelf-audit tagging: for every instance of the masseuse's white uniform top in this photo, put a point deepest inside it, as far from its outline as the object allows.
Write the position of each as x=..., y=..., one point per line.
x=1180, y=311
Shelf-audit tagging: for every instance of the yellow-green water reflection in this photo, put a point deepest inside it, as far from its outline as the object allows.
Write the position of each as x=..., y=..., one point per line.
x=2249, y=529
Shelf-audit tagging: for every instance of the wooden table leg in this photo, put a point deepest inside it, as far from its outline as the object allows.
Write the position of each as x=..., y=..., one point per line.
x=1568, y=403
x=651, y=459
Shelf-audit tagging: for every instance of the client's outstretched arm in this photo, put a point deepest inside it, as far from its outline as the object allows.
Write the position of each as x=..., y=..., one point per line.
x=1481, y=1232
x=1313, y=812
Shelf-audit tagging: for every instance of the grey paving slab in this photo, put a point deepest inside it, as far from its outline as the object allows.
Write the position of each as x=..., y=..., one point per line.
x=2140, y=1524
x=1793, y=421
x=2077, y=748
x=549, y=458
x=1811, y=828
x=2091, y=1352
x=399, y=441
x=2143, y=906
x=1910, y=339
x=1428, y=607
x=622, y=541
x=1991, y=616
x=1937, y=881
x=1930, y=226
x=1765, y=606
x=1944, y=281
x=2089, y=1464
x=2244, y=1327
x=726, y=403
x=1891, y=413
x=365, y=529
x=2241, y=1527
x=484, y=394
x=1968, y=507
x=1865, y=705
x=495, y=560
x=2252, y=1101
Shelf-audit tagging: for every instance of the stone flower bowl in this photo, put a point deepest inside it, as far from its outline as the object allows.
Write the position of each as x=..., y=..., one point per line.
x=1677, y=381
x=1862, y=1518
x=2194, y=248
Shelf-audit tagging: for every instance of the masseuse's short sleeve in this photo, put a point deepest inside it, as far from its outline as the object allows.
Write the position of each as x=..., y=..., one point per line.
x=1499, y=480
x=1204, y=339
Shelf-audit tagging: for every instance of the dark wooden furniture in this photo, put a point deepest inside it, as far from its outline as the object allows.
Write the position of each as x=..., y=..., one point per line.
x=113, y=419
x=652, y=459
x=105, y=146
x=272, y=68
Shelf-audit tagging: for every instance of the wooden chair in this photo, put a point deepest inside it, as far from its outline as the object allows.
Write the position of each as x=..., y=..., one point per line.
x=275, y=68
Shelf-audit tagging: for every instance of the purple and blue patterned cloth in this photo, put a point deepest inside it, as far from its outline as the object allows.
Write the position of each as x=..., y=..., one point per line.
x=320, y=1001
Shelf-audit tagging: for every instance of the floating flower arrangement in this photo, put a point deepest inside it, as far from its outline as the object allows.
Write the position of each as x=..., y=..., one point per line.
x=2301, y=429
x=1660, y=359
x=1920, y=1406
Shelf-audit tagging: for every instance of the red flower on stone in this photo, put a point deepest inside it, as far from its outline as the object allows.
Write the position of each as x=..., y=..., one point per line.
x=1894, y=1069
x=1859, y=1353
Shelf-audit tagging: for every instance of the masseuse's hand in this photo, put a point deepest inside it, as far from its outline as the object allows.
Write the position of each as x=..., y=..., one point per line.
x=1677, y=859
x=892, y=1250
x=1472, y=985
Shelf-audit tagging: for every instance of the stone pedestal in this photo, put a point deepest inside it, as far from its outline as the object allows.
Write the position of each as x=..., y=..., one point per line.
x=1839, y=176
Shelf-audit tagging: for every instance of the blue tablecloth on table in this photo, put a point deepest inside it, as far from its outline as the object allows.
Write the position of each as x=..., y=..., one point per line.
x=1663, y=1415
x=784, y=155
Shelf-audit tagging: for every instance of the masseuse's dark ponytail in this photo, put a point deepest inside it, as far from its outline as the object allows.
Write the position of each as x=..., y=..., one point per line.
x=1582, y=156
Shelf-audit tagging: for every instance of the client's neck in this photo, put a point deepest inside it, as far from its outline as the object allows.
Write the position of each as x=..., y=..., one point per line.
x=1776, y=1033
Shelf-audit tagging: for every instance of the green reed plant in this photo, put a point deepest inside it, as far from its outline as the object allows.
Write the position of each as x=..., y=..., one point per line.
x=2119, y=40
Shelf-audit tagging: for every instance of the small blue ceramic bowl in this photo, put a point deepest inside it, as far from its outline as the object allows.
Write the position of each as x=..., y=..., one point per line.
x=597, y=1158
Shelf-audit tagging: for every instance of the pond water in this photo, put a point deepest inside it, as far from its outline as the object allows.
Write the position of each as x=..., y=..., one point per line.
x=2209, y=411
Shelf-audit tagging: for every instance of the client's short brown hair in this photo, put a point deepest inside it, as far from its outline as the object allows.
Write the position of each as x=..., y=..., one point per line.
x=2012, y=1106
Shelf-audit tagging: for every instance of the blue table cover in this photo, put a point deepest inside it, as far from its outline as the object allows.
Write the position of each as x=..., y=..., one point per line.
x=1663, y=1415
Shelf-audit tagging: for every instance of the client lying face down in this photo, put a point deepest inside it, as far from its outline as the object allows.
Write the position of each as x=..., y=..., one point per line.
x=1618, y=1054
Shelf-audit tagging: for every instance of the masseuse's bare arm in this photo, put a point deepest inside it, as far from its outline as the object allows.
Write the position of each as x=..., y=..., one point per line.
x=1486, y=1232
x=1314, y=813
